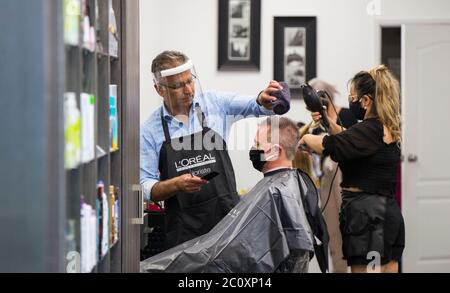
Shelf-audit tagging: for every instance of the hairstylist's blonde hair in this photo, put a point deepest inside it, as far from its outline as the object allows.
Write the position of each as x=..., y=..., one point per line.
x=383, y=88
x=387, y=95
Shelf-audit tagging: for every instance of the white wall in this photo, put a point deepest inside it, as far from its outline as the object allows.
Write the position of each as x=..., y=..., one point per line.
x=346, y=38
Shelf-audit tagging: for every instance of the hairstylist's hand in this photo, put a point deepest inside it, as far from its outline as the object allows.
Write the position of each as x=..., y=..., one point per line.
x=316, y=115
x=302, y=143
x=190, y=184
x=265, y=98
x=303, y=148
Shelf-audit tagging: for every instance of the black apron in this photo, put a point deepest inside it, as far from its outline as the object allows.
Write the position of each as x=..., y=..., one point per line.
x=191, y=215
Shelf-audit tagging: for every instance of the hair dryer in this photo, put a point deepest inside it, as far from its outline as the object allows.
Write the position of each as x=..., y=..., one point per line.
x=283, y=103
x=314, y=103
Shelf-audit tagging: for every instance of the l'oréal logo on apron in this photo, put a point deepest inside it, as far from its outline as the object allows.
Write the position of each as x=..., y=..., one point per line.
x=191, y=163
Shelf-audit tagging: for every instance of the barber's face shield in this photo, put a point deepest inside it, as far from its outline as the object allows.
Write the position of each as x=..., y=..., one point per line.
x=179, y=86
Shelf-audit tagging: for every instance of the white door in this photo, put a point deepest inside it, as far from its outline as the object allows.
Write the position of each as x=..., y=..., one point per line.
x=426, y=146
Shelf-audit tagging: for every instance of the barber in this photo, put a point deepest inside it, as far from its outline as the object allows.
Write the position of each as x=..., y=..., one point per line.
x=172, y=159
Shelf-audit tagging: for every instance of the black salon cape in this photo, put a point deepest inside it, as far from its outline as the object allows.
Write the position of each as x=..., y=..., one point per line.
x=255, y=237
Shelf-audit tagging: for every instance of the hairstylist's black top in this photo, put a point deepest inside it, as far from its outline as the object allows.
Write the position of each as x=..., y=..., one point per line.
x=365, y=160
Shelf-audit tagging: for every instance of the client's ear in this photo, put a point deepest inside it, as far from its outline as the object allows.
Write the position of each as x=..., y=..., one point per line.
x=278, y=150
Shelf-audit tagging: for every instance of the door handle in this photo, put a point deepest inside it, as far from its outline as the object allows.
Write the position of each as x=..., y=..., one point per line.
x=140, y=220
x=412, y=158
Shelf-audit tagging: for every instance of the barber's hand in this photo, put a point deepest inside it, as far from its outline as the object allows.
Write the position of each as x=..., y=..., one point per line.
x=265, y=98
x=190, y=184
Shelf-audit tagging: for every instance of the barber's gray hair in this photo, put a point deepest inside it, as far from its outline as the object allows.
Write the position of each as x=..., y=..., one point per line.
x=288, y=134
x=167, y=60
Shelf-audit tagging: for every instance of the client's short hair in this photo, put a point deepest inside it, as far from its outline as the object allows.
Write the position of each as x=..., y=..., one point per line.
x=287, y=131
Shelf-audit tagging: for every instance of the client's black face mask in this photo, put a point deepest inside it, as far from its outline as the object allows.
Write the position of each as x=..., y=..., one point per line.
x=259, y=158
x=357, y=110
x=255, y=157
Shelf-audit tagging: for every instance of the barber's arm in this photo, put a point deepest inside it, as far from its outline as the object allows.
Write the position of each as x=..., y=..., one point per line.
x=154, y=188
x=245, y=106
x=164, y=190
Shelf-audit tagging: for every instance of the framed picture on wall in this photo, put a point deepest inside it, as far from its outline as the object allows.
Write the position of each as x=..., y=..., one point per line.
x=295, y=51
x=239, y=35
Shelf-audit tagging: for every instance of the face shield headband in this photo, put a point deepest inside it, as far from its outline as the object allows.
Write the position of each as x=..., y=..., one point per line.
x=189, y=65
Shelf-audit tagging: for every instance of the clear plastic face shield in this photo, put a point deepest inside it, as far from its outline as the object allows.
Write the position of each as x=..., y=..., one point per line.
x=267, y=140
x=178, y=86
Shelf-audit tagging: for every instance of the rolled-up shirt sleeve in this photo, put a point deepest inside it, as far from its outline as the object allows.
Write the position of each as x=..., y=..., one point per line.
x=245, y=106
x=359, y=141
x=149, y=169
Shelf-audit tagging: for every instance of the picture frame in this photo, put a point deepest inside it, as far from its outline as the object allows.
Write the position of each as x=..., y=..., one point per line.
x=239, y=35
x=295, y=56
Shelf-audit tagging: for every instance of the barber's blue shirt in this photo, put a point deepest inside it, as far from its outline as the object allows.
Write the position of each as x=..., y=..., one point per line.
x=221, y=111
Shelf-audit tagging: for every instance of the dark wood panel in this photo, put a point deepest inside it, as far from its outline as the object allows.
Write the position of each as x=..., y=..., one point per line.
x=40, y=200
x=130, y=131
x=32, y=198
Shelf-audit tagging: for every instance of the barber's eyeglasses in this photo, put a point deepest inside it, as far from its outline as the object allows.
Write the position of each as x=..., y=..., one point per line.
x=180, y=85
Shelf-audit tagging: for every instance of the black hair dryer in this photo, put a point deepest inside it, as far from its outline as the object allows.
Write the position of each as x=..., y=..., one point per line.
x=314, y=103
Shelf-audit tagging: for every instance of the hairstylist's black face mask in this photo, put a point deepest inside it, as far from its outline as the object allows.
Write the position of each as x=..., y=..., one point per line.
x=357, y=110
